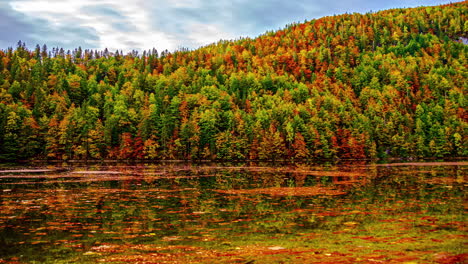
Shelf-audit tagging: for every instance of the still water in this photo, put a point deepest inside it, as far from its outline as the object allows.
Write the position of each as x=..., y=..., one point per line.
x=241, y=213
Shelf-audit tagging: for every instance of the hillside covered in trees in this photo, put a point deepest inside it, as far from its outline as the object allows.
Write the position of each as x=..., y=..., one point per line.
x=375, y=85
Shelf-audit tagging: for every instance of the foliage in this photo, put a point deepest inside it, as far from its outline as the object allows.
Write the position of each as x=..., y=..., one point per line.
x=386, y=84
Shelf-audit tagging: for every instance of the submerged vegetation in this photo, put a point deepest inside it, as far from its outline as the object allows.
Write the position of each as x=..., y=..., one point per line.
x=375, y=85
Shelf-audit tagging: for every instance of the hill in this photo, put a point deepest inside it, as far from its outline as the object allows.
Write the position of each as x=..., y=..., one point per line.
x=376, y=85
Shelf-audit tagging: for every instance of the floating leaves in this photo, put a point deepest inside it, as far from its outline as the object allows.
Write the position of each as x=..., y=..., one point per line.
x=160, y=214
x=287, y=191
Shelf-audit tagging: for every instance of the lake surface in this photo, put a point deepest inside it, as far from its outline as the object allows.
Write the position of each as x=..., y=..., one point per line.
x=224, y=213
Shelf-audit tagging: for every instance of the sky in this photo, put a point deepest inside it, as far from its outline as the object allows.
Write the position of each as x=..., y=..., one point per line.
x=163, y=24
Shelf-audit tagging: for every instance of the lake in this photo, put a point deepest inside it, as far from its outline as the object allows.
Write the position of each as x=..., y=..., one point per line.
x=234, y=213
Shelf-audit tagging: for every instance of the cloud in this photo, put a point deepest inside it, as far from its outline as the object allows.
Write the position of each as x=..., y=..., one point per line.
x=203, y=34
x=17, y=25
x=13, y=27
x=261, y=16
x=163, y=24
x=102, y=10
x=91, y=24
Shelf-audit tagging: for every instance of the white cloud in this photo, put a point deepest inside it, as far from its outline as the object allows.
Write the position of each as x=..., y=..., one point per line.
x=184, y=3
x=41, y=7
x=204, y=34
x=162, y=24
x=61, y=14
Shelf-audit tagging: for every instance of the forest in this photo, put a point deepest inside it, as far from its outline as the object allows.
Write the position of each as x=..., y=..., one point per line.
x=351, y=86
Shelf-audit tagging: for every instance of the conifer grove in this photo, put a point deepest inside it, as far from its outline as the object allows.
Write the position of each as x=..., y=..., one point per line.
x=376, y=85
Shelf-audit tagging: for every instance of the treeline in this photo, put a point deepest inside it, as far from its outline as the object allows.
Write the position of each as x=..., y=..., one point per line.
x=376, y=85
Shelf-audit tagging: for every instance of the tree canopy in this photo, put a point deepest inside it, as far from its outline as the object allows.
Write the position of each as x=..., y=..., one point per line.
x=385, y=84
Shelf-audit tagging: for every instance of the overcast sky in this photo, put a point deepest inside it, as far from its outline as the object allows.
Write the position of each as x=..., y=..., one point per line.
x=163, y=24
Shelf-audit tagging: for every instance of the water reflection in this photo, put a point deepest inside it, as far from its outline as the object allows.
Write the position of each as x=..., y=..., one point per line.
x=68, y=211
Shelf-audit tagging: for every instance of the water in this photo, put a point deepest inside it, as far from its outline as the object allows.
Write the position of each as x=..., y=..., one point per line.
x=214, y=213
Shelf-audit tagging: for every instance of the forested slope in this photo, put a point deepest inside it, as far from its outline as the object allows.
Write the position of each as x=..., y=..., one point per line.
x=386, y=84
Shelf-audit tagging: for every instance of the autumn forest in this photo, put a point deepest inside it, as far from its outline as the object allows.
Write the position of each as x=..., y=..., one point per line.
x=351, y=86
